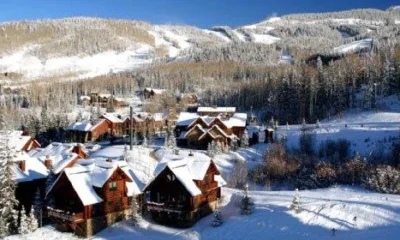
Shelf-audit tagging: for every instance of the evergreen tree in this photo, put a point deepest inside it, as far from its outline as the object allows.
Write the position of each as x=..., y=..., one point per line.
x=24, y=223
x=304, y=125
x=32, y=222
x=8, y=202
x=217, y=148
x=296, y=202
x=136, y=212
x=38, y=205
x=246, y=205
x=244, y=140
x=317, y=124
x=210, y=149
x=234, y=145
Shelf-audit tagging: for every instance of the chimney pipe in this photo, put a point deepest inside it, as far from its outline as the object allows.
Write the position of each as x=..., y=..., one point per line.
x=131, y=128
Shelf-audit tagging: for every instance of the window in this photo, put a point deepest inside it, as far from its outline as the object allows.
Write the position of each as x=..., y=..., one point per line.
x=171, y=177
x=112, y=186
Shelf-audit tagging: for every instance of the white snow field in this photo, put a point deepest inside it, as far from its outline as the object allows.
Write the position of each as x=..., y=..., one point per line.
x=368, y=132
x=354, y=213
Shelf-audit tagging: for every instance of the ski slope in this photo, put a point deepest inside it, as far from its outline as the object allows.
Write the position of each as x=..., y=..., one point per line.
x=354, y=213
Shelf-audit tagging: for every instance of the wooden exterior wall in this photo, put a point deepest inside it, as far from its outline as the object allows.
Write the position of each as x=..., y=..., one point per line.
x=65, y=197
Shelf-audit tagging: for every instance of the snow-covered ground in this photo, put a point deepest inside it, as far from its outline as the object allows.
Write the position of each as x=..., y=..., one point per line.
x=354, y=46
x=367, y=131
x=354, y=213
x=82, y=67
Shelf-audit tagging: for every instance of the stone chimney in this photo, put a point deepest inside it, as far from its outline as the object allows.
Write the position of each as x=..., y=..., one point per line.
x=48, y=162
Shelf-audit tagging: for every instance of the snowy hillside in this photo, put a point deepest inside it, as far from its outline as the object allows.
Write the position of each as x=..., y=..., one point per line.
x=76, y=48
x=354, y=213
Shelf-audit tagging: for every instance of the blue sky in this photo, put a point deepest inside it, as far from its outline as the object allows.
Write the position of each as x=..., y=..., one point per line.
x=202, y=13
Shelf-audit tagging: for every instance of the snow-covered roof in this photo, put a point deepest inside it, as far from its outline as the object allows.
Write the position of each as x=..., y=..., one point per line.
x=216, y=109
x=18, y=174
x=85, y=125
x=188, y=119
x=104, y=95
x=156, y=90
x=185, y=168
x=80, y=180
x=84, y=98
x=95, y=174
x=112, y=118
x=59, y=153
x=34, y=168
x=17, y=141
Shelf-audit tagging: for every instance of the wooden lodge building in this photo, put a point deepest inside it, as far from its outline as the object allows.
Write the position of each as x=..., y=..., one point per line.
x=90, y=131
x=32, y=169
x=221, y=125
x=184, y=191
x=88, y=199
x=102, y=99
x=151, y=93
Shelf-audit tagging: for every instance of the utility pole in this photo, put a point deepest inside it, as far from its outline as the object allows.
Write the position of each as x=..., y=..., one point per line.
x=131, y=128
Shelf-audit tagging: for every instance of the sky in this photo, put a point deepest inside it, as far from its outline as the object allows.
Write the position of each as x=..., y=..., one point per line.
x=201, y=13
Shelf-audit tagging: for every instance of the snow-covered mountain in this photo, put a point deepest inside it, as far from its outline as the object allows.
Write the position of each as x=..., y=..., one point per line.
x=87, y=47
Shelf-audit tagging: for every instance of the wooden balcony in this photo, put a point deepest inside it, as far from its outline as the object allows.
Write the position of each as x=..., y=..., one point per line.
x=65, y=216
x=166, y=207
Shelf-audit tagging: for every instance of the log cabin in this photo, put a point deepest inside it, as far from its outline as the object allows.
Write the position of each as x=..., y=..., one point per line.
x=88, y=131
x=184, y=191
x=195, y=130
x=188, y=99
x=149, y=93
x=115, y=123
x=144, y=122
x=88, y=199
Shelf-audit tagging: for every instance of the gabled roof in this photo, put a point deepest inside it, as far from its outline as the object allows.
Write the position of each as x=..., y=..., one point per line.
x=59, y=153
x=186, y=169
x=112, y=118
x=84, y=178
x=34, y=169
x=81, y=182
x=85, y=125
x=186, y=119
x=17, y=141
x=197, y=126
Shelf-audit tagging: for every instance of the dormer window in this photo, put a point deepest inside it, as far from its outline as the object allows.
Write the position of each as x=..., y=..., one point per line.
x=171, y=177
x=112, y=186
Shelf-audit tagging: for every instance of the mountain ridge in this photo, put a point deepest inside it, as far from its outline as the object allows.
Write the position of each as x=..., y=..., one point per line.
x=84, y=47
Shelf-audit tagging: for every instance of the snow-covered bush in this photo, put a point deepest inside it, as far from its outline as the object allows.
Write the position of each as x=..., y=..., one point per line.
x=246, y=204
x=384, y=179
x=244, y=140
x=296, y=205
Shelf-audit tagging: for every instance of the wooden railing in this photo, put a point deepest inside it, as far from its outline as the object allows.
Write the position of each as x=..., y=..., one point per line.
x=64, y=215
x=168, y=207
